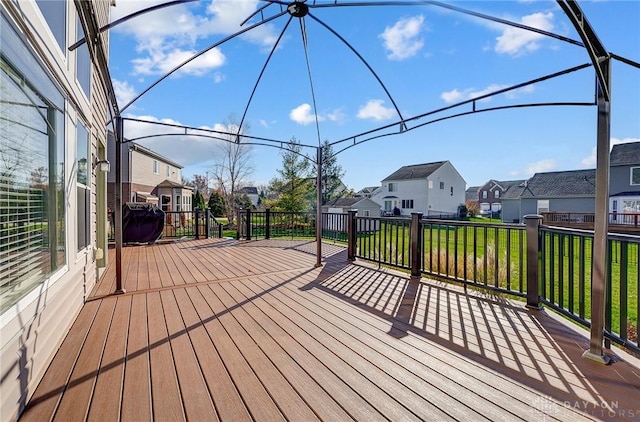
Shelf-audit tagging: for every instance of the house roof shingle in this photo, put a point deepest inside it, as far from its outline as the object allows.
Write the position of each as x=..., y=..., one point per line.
x=557, y=184
x=344, y=202
x=249, y=190
x=625, y=154
x=416, y=171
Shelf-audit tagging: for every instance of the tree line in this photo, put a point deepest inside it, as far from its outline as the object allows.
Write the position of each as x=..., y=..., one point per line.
x=293, y=188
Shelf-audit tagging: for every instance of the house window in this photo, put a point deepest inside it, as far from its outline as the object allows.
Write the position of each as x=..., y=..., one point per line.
x=442, y=185
x=367, y=213
x=168, y=171
x=156, y=167
x=55, y=13
x=388, y=206
x=32, y=202
x=484, y=194
x=407, y=203
x=83, y=189
x=393, y=187
x=635, y=175
x=83, y=62
x=430, y=184
x=543, y=205
x=496, y=194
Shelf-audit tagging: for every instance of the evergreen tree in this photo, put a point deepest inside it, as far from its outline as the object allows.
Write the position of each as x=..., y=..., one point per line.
x=243, y=201
x=332, y=174
x=216, y=204
x=294, y=183
x=198, y=201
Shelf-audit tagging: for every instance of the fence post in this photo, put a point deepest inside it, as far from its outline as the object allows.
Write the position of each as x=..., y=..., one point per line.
x=239, y=224
x=416, y=245
x=351, y=235
x=267, y=222
x=207, y=222
x=197, y=212
x=532, y=222
x=248, y=232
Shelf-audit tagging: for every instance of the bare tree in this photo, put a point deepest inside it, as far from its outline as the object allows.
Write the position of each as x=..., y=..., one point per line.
x=232, y=163
x=200, y=182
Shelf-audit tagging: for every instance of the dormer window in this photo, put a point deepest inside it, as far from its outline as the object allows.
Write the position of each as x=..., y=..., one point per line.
x=496, y=194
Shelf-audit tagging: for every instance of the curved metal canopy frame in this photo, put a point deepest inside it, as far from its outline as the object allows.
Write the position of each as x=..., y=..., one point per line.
x=600, y=60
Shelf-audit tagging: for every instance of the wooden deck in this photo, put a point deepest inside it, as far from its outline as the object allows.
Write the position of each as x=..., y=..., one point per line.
x=226, y=330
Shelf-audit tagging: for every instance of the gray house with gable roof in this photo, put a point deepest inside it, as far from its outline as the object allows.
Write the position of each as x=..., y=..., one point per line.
x=574, y=191
x=562, y=191
x=624, y=183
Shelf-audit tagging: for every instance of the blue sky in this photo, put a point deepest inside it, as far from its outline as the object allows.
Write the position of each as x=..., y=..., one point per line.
x=426, y=57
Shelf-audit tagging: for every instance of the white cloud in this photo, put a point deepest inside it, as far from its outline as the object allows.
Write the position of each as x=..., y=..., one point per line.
x=218, y=77
x=455, y=95
x=541, y=166
x=162, y=62
x=590, y=160
x=165, y=36
x=303, y=115
x=402, y=39
x=183, y=149
x=124, y=91
x=516, y=41
x=375, y=110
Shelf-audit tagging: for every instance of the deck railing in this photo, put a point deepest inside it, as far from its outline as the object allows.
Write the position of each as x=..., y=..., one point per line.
x=565, y=281
x=178, y=224
x=542, y=264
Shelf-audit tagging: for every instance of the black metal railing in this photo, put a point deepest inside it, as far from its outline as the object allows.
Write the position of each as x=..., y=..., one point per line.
x=546, y=265
x=181, y=224
x=565, y=281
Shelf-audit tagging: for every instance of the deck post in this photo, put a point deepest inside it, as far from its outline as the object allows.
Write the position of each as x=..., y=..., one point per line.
x=532, y=223
x=119, y=139
x=351, y=235
x=600, y=271
x=267, y=222
x=197, y=223
x=248, y=232
x=416, y=245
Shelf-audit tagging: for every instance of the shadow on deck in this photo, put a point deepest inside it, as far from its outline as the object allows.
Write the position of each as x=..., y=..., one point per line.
x=232, y=330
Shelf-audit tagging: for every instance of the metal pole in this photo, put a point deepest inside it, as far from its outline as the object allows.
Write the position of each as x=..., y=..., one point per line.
x=319, y=208
x=532, y=222
x=119, y=138
x=601, y=227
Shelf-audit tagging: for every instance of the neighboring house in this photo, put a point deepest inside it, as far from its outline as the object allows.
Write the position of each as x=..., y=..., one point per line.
x=624, y=178
x=53, y=202
x=367, y=192
x=471, y=194
x=252, y=194
x=148, y=177
x=562, y=191
x=365, y=206
x=431, y=188
x=490, y=194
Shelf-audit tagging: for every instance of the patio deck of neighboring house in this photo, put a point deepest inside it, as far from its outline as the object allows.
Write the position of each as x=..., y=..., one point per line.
x=230, y=330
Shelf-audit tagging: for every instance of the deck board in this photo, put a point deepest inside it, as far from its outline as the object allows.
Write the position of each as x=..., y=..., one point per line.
x=251, y=330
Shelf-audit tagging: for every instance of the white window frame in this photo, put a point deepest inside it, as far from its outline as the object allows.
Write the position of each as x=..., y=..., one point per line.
x=430, y=184
x=542, y=205
x=393, y=187
x=156, y=167
x=496, y=194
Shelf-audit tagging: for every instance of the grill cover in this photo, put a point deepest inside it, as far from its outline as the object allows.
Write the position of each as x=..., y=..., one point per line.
x=141, y=222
